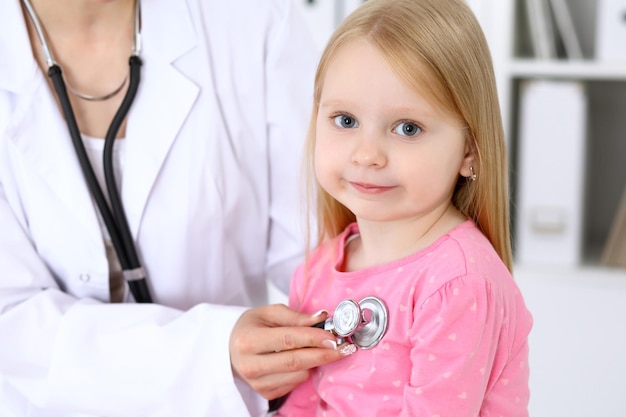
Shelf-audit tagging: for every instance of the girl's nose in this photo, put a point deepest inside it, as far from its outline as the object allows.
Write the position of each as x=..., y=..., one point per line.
x=369, y=152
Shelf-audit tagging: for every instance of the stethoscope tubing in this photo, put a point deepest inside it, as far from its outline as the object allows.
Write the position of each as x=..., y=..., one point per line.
x=114, y=217
x=138, y=285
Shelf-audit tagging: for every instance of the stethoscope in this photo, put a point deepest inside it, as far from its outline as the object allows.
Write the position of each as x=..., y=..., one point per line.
x=113, y=216
x=363, y=324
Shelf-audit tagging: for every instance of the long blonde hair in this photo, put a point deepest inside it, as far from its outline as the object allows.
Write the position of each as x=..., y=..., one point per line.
x=438, y=47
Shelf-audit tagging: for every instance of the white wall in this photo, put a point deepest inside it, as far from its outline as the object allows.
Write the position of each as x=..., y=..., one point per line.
x=578, y=343
x=324, y=15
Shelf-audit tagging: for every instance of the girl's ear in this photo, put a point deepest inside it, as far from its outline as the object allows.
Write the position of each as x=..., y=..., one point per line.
x=469, y=160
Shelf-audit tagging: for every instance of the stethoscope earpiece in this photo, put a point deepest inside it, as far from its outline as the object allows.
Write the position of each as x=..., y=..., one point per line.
x=363, y=323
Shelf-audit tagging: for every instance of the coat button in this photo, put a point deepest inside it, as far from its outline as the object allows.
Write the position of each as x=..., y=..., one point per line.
x=84, y=277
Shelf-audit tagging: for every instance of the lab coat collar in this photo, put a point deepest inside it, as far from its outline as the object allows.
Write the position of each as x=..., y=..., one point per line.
x=163, y=102
x=17, y=69
x=167, y=29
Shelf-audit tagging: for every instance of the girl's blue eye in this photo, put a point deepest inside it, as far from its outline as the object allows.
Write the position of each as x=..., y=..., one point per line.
x=407, y=129
x=345, y=121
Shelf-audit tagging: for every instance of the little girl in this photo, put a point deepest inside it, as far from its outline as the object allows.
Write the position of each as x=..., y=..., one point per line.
x=407, y=147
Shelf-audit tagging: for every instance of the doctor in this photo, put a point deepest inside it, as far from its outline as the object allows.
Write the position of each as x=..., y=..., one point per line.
x=207, y=165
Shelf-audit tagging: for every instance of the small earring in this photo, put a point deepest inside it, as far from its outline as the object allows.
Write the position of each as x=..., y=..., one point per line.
x=472, y=174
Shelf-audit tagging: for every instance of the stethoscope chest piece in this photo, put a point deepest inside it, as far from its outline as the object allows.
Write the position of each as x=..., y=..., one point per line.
x=346, y=318
x=374, y=326
x=363, y=323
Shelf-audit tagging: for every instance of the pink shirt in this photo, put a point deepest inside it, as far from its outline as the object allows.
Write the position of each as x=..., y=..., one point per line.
x=456, y=343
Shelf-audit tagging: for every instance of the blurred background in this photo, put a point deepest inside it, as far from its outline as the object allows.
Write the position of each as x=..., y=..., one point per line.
x=561, y=75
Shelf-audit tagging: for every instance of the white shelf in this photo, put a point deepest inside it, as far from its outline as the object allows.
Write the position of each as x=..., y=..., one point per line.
x=588, y=70
x=604, y=167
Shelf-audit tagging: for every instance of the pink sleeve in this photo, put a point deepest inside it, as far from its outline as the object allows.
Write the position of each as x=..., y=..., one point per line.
x=302, y=401
x=295, y=287
x=460, y=349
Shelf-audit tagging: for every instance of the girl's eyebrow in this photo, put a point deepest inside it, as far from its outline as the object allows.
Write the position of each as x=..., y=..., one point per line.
x=334, y=103
x=427, y=111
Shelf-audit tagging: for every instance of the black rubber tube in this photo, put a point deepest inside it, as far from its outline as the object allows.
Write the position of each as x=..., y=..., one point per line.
x=139, y=287
x=118, y=231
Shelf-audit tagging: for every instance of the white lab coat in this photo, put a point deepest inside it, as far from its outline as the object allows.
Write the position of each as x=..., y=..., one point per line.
x=213, y=157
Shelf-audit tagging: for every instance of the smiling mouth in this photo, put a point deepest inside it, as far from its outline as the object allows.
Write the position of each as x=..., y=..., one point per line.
x=370, y=188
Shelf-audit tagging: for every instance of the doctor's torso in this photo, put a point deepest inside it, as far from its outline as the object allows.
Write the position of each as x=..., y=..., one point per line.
x=196, y=181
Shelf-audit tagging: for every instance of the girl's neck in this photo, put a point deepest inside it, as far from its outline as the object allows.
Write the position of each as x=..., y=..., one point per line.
x=383, y=242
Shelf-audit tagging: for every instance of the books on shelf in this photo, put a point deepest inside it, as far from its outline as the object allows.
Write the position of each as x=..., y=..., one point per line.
x=550, y=192
x=552, y=30
x=614, y=253
x=566, y=29
x=541, y=29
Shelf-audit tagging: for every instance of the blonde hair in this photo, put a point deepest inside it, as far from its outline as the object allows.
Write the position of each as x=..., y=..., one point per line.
x=438, y=47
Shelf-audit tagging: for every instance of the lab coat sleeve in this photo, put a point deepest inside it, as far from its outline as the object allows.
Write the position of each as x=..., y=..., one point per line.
x=291, y=61
x=60, y=353
x=150, y=360
x=73, y=355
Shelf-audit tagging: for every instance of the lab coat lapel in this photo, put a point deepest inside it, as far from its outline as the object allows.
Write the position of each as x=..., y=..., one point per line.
x=164, y=99
x=44, y=143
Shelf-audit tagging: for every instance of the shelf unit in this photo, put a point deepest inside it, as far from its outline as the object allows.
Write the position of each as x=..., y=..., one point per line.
x=605, y=166
x=574, y=308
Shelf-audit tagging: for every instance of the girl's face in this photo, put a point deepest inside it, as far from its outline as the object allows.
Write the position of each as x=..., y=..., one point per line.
x=382, y=149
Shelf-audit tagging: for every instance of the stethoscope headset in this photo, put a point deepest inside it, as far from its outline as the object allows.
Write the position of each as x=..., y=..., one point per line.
x=113, y=216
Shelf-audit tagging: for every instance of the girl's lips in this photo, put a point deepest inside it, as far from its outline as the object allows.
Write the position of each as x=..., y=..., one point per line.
x=370, y=188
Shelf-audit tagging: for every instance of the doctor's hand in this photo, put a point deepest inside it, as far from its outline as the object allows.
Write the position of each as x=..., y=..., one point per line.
x=273, y=348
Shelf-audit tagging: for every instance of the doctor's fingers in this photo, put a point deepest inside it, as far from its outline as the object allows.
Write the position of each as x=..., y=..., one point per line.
x=261, y=330
x=295, y=360
x=277, y=339
x=287, y=367
x=279, y=315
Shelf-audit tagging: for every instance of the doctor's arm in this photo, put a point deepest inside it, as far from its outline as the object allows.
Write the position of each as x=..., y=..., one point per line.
x=78, y=355
x=61, y=352
x=30, y=309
